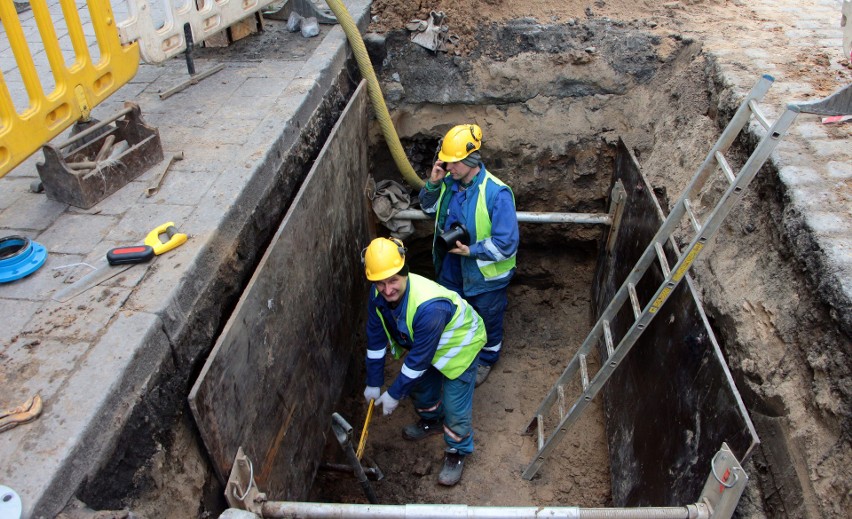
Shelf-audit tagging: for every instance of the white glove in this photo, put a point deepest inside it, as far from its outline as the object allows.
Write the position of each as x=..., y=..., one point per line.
x=388, y=403
x=371, y=393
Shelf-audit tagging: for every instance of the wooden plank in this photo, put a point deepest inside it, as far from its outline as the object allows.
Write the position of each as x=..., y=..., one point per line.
x=235, y=32
x=277, y=369
x=244, y=28
x=672, y=402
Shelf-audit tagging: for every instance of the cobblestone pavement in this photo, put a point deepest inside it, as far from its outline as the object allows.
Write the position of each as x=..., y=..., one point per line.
x=815, y=159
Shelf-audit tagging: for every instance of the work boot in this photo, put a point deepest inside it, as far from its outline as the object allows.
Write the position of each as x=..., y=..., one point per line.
x=482, y=372
x=451, y=472
x=422, y=429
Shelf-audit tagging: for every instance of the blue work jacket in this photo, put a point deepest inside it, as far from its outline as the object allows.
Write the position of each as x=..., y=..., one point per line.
x=459, y=205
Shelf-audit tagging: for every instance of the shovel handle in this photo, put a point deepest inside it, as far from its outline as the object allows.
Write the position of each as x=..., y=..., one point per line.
x=362, y=443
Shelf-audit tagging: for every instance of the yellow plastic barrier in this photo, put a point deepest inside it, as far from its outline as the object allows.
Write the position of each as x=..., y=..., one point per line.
x=80, y=86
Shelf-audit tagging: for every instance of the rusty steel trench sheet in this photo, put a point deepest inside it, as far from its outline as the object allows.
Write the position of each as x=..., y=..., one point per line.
x=279, y=365
x=672, y=401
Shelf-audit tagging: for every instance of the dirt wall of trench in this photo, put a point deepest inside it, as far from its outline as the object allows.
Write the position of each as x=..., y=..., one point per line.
x=551, y=101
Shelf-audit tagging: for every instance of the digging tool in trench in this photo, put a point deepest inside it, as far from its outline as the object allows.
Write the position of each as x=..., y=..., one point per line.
x=343, y=432
x=374, y=472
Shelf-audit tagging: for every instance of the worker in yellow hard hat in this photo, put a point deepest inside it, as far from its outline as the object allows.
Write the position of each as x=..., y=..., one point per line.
x=476, y=232
x=440, y=335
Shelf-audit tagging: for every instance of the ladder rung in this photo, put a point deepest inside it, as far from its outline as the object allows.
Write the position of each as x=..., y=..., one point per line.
x=584, y=373
x=608, y=340
x=634, y=300
x=664, y=263
x=726, y=168
x=540, y=428
x=692, y=218
x=758, y=114
x=560, y=391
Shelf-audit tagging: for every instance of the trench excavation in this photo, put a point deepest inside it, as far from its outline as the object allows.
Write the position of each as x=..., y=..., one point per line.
x=553, y=112
x=556, y=146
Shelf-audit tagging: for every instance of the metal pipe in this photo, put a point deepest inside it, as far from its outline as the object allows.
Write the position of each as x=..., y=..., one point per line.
x=526, y=217
x=283, y=509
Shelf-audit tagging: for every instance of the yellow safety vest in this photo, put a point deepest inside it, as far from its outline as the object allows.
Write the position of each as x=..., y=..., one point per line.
x=463, y=336
x=489, y=269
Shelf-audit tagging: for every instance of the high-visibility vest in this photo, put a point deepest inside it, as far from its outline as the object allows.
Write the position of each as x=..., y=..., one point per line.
x=462, y=338
x=482, y=226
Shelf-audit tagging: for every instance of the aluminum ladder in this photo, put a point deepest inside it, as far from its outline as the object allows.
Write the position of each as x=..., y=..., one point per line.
x=616, y=352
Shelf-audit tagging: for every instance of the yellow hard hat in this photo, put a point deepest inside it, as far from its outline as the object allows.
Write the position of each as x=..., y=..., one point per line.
x=459, y=142
x=383, y=258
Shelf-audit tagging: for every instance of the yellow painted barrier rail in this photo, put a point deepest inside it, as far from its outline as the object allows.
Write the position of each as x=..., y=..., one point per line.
x=79, y=83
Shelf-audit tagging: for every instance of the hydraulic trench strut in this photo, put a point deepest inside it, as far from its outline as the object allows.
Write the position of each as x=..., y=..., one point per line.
x=722, y=490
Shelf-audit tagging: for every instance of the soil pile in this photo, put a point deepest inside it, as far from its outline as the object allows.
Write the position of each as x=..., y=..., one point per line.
x=465, y=19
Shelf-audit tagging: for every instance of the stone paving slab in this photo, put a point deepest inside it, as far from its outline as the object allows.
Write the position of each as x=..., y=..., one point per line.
x=94, y=358
x=815, y=160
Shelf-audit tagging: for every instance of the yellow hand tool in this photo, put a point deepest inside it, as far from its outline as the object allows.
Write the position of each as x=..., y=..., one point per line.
x=122, y=258
x=362, y=443
x=176, y=239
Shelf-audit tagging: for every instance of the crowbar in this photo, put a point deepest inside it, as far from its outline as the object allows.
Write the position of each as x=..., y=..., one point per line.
x=161, y=172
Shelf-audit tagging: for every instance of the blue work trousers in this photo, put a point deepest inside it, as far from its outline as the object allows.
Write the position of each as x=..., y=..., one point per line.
x=435, y=397
x=491, y=306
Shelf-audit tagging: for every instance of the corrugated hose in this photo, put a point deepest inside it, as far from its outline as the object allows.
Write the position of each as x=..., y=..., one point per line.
x=375, y=92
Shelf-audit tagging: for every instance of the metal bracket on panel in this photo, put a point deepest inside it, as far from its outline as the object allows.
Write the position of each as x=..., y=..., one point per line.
x=241, y=490
x=616, y=209
x=725, y=484
x=101, y=159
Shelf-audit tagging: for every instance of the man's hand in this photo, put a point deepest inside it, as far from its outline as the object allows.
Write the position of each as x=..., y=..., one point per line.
x=460, y=249
x=438, y=173
x=371, y=393
x=388, y=403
